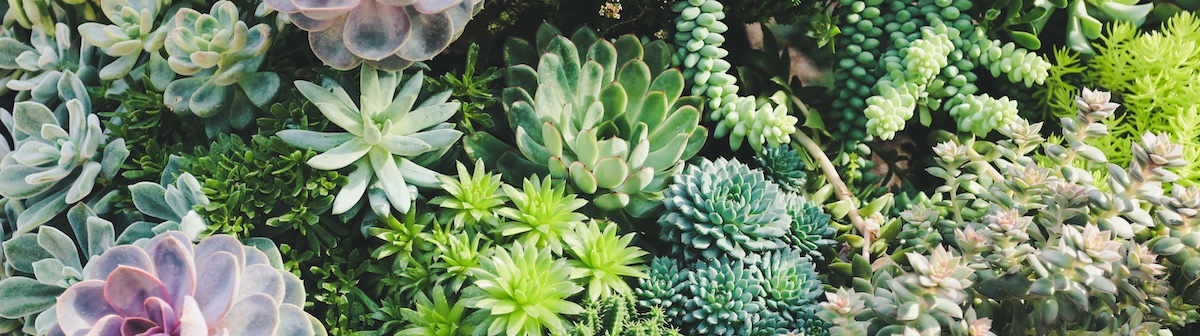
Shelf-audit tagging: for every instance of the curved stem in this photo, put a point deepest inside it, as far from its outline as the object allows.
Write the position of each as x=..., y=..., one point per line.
x=839, y=186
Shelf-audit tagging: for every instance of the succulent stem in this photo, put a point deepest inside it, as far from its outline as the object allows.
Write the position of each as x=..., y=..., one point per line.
x=839, y=186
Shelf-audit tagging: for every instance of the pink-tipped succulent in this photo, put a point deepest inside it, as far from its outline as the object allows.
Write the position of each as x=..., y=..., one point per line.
x=170, y=287
x=387, y=34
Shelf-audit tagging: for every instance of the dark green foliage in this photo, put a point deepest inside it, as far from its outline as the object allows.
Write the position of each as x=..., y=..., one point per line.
x=783, y=11
x=472, y=89
x=265, y=183
x=782, y=165
x=810, y=231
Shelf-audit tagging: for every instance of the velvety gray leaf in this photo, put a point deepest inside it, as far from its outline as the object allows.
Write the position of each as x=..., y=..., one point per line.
x=24, y=297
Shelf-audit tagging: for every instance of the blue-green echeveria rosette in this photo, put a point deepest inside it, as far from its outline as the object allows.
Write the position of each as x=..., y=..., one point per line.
x=219, y=57
x=723, y=296
x=723, y=207
x=522, y=291
x=387, y=138
x=168, y=285
x=386, y=34
x=782, y=165
x=607, y=116
x=810, y=229
x=58, y=155
x=791, y=286
x=663, y=287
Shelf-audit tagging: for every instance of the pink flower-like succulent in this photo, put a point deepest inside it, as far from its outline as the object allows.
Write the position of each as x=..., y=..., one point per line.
x=170, y=287
x=387, y=34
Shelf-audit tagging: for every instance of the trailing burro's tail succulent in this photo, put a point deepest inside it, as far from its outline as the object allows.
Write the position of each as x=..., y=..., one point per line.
x=388, y=35
x=607, y=116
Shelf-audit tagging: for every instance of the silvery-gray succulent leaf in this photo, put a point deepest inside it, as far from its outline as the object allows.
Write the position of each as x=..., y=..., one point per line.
x=58, y=156
x=385, y=134
x=43, y=62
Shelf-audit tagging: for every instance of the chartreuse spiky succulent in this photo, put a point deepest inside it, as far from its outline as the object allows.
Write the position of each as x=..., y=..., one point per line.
x=472, y=198
x=723, y=207
x=603, y=260
x=385, y=138
x=168, y=285
x=59, y=155
x=134, y=27
x=219, y=57
x=606, y=116
x=387, y=35
x=1045, y=237
x=544, y=213
x=523, y=291
x=438, y=317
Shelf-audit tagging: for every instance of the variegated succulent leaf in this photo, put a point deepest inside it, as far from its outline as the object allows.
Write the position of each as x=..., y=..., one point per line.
x=135, y=26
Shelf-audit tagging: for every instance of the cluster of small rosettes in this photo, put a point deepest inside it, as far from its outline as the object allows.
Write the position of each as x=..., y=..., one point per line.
x=743, y=119
x=980, y=114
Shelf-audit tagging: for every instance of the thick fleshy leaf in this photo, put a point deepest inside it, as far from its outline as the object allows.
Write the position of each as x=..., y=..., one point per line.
x=352, y=192
x=256, y=315
x=217, y=278
x=424, y=117
x=115, y=154
x=261, y=279
x=317, y=141
x=328, y=46
x=293, y=321
x=30, y=117
x=442, y=138
x=418, y=175
x=42, y=212
x=294, y=289
x=109, y=325
x=127, y=289
x=24, y=297
x=149, y=198
x=123, y=255
x=81, y=306
x=207, y=99
x=191, y=320
x=341, y=156
x=404, y=145
x=326, y=9
x=431, y=33
x=375, y=31
x=174, y=267
x=434, y=6
x=260, y=87
x=59, y=245
x=179, y=93
x=391, y=179
x=14, y=185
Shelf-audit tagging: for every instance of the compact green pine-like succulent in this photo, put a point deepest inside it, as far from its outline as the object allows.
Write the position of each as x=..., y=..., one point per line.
x=523, y=291
x=385, y=138
x=603, y=260
x=723, y=207
x=544, y=213
x=607, y=116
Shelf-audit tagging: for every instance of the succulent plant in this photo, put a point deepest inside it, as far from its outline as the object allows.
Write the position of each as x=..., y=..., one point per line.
x=154, y=287
x=743, y=118
x=543, y=215
x=782, y=165
x=980, y=114
x=134, y=27
x=219, y=56
x=38, y=67
x=387, y=35
x=791, y=287
x=174, y=204
x=618, y=315
x=663, y=287
x=438, y=317
x=722, y=295
x=385, y=138
x=603, y=260
x=723, y=207
x=523, y=291
x=458, y=254
x=810, y=228
x=45, y=263
x=473, y=198
x=58, y=156
x=606, y=116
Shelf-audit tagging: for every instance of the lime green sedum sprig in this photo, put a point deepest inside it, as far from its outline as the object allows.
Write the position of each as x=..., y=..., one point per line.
x=544, y=213
x=471, y=198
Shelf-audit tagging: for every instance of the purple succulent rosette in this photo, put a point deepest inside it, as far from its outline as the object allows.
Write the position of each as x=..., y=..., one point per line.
x=167, y=286
x=387, y=34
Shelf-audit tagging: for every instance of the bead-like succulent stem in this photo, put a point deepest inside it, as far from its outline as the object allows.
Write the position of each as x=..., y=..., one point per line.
x=839, y=186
